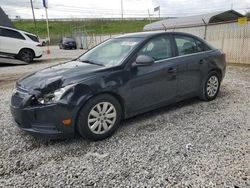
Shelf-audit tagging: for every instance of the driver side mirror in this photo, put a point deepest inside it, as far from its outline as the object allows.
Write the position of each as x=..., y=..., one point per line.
x=144, y=60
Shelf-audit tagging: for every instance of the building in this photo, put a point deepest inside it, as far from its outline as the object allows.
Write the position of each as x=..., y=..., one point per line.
x=4, y=19
x=191, y=21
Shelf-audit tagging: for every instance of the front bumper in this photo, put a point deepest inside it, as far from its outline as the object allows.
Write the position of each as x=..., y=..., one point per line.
x=44, y=121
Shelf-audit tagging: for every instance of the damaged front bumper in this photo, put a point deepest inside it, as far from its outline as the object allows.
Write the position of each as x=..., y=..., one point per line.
x=44, y=121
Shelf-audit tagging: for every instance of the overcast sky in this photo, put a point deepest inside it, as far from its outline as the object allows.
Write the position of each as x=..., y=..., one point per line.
x=112, y=8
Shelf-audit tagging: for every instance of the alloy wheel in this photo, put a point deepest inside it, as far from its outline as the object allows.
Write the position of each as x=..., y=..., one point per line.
x=27, y=55
x=102, y=117
x=212, y=86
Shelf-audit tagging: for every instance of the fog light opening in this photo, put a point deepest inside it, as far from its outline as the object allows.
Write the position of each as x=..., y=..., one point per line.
x=67, y=122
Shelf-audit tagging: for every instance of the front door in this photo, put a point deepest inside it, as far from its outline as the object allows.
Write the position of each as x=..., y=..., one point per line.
x=154, y=84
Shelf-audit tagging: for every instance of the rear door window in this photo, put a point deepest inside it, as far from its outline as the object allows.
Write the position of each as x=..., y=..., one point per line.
x=11, y=34
x=201, y=47
x=158, y=48
x=188, y=45
x=185, y=45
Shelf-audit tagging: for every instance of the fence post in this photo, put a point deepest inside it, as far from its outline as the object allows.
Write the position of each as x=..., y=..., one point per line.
x=205, y=34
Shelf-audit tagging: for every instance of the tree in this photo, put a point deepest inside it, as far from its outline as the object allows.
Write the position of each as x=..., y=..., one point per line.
x=248, y=14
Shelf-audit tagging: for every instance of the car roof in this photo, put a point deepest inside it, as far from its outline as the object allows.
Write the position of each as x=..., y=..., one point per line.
x=17, y=30
x=151, y=34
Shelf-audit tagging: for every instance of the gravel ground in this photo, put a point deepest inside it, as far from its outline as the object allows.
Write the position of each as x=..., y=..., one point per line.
x=189, y=144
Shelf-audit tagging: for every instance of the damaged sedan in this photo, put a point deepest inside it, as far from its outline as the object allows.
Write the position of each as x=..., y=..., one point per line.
x=115, y=80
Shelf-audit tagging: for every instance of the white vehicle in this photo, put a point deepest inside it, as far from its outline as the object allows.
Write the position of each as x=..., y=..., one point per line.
x=44, y=42
x=20, y=44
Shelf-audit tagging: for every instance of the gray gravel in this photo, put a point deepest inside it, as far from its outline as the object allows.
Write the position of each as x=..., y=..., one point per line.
x=189, y=144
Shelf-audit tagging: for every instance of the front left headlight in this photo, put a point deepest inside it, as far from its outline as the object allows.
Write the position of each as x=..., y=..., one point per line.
x=54, y=96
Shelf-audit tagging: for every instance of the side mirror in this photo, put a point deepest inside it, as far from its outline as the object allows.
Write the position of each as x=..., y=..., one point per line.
x=144, y=60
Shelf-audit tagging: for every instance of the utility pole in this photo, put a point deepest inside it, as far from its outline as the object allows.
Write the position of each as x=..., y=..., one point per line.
x=149, y=16
x=159, y=12
x=34, y=19
x=122, y=9
x=47, y=22
x=45, y=5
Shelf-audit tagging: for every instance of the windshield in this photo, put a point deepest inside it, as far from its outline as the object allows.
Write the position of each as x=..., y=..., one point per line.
x=112, y=52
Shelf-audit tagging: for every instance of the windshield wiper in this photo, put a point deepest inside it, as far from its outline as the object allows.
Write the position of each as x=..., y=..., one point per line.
x=91, y=62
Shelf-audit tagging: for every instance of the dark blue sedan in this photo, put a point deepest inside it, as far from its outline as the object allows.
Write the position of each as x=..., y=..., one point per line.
x=117, y=79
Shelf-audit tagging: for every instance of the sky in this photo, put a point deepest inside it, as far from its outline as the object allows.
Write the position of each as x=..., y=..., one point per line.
x=112, y=8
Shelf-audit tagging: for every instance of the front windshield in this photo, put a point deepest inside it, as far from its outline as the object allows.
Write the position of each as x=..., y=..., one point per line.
x=110, y=53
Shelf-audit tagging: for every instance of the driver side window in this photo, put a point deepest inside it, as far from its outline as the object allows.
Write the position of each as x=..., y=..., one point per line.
x=158, y=48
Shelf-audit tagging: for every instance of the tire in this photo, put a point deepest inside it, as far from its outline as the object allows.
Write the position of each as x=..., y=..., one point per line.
x=211, y=87
x=44, y=43
x=26, y=55
x=93, y=123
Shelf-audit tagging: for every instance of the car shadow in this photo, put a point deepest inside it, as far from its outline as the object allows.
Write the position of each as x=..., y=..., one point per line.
x=161, y=111
x=133, y=120
x=128, y=122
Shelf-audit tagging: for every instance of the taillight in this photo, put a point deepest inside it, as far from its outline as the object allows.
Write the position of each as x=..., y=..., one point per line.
x=39, y=45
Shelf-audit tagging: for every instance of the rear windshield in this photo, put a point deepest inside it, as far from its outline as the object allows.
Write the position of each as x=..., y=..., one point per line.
x=32, y=37
x=68, y=40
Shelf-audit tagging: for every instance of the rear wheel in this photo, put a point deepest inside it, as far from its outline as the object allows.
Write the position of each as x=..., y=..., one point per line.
x=26, y=55
x=99, y=118
x=211, y=87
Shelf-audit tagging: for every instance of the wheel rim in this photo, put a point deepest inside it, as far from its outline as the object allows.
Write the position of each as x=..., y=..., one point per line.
x=26, y=55
x=212, y=86
x=102, y=117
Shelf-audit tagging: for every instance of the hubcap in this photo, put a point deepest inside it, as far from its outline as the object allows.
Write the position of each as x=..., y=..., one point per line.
x=212, y=86
x=102, y=117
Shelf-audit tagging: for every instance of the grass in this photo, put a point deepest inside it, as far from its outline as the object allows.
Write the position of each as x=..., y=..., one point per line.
x=62, y=28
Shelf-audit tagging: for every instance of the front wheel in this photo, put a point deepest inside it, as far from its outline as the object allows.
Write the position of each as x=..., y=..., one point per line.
x=211, y=87
x=99, y=118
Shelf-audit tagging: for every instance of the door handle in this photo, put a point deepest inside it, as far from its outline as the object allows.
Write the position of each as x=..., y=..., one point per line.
x=201, y=61
x=172, y=70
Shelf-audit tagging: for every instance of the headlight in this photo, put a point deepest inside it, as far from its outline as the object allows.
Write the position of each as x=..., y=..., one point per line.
x=54, y=96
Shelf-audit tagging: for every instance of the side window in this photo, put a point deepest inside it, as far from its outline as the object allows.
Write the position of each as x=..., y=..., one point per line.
x=185, y=45
x=32, y=37
x=200, y=46
x=158, y=48
x=11, y=34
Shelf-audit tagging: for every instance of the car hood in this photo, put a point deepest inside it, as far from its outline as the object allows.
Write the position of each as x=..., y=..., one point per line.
x=57, y=76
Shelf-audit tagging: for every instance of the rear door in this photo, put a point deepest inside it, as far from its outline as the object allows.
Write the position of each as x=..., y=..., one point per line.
x=191, y=63
x=11, y=41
